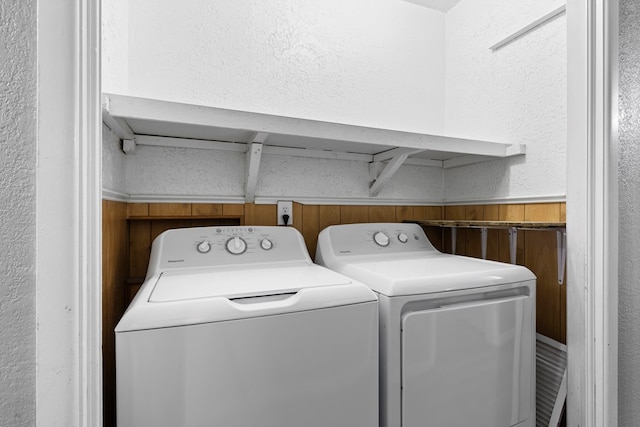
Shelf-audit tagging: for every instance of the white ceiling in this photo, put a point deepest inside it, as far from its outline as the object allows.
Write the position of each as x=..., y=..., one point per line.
x=442, y=5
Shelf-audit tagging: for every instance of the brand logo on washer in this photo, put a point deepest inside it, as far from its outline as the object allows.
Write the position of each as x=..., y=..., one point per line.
x=175, y=260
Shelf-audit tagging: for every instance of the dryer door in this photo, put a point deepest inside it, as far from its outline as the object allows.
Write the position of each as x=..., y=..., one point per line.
x=468, y=364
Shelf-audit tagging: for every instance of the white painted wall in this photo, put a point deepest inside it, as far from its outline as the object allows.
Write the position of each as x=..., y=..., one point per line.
x=114, y=162
x=629, y=219
x=18, y=137
x=374, y=63
x=516, y=94
x=370, y=62
x=115, y=45
x=377, y=63
x=155, y=172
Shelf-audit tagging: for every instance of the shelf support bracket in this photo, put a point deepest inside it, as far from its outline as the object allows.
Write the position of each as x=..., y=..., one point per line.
x=396, y=157
x=513, y=244
x=252, y=165
x=118, y=125
x=129, y=146
x=484, y=232
x=562, y=253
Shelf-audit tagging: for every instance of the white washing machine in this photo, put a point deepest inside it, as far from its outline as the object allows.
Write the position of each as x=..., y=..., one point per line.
x=236, y=327
x=457, y=334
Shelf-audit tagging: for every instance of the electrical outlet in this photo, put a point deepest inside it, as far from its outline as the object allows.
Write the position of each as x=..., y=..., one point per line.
x=285, y=208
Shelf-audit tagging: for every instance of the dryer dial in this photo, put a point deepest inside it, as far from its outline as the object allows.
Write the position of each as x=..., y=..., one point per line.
x=403, y=238
x=236, y=245
x=381, y=239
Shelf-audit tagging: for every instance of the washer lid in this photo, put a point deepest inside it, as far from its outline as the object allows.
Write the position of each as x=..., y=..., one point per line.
x=437, y=272
x=241, y=283
x=182, y=298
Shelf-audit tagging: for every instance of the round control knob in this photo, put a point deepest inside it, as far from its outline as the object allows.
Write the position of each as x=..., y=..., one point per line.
x=203, y=247
x=381, y=239
x=266, y=244
x=403, y=238
x=236, y=245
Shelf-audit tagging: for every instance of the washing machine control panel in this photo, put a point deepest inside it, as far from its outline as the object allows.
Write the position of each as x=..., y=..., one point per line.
x=227, y=246
x=377, y=238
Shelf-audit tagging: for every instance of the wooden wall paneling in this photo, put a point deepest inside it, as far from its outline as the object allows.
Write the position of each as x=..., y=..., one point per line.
x=170, y=209
x=382, y=214
x=206, y=209
x=461, y=240
x=260, y=214
x=328, y=215
x=428, y=212
x=139, y=248
x=540, y=258
x=311, y=227
x=454, y=212
x=493, y=244
x=233, y=209
x=491, y=212
x=473, y=244
x=474, y=212
x=114, y=298
x=354, y=214
x=298, y=216
x=542, y=212
x=514, y=212
x=563, y=212
x=435, y=236
x=403, y=213
x=435, y=212
x=137, y=209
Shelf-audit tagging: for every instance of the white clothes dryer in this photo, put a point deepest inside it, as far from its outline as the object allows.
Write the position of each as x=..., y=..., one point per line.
x=457, y=334
x=236, y=327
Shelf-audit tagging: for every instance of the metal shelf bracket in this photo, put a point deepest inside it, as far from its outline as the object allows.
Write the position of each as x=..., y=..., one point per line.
x=483, y=242
x=454, y=234
x=562, y=253
x=513, y=244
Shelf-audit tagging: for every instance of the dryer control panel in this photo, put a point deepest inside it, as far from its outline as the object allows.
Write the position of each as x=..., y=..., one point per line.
x=373, y=239
x=226, y=246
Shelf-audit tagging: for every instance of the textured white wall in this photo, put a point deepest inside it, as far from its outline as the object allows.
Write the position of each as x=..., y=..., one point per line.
x=629, y=217
x=516, y=94
x=114, y=176
x=370, y=62
x=115, y=45
x=18, y=102
x=155, y=171
x=377, y=63
x=373, y=63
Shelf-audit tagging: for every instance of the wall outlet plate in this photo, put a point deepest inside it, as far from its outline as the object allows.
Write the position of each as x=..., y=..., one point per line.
x=285, y=208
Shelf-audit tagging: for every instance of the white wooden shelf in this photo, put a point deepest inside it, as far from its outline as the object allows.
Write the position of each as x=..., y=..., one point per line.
x=142, y=121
